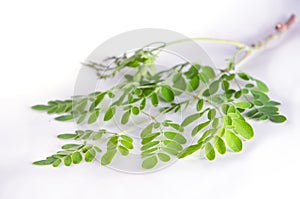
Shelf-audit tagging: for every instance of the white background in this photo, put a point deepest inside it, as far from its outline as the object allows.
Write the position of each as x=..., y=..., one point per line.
x=41, y=46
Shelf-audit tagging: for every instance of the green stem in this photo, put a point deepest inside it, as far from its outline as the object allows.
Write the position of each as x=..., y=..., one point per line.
x=225, y=41
x=249, y=50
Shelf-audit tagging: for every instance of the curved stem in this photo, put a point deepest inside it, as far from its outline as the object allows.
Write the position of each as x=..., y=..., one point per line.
x=280, y=28
x=225, y=41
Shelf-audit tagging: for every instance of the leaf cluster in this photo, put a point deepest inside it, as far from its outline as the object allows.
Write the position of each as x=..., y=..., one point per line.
x=219, y=103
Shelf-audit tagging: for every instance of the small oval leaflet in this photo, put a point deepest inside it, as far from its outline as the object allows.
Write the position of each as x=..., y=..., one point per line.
x=233, y=141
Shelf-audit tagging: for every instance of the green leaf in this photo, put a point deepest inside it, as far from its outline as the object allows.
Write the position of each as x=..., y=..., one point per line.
x=244, y=76
x=143, y=104
x=125, y=117
x=230, y=77
x=273, y=103
x=64, y=118
x=231, y=109
x=86, y=148
x=86, y=134
x=94, y=116
x=146, y=131
x=156, y=125
x=149, y=145
x=277, y=118
x=138, y=91
x=176, y=127
x=70, y=146
x=251, y=113
x=215, y=123
x=149, y=151
x=68, y=160
x=98, y=135
x=171, y=151
x=179, y=83
x=76, y=157
x=269, y=110
x=233, y=141
x=249, y=85
x=167, y=93
x=40, y=107
x=200, y=104
x=258, y=103
x=109, y=113
x=221, y=132
x=108, y=157
x=135, y=110
x=190, y=150
x=52, y=110
x=44, y=162
x=112, y=142
x=227, y=121
x=262, y=86
x=194, y=83
x=238, y=94
x=243, y=105
x=243, y=128
x=172, y=145
x=213, y=87
x=199, y=127
x=56, y=163
x=208, y=72
x=211, y=114
x=90, y=155
x=99, y=98
x=154, y=99
x=126, y=144
x=225, y=85
x=127, y=138
x=150, y=162
x=124, y=151
x=192, y=72
x=220, y=145
x=260, y=95
x=163, y=157
x=207, y=134
x=66, y=136
x=82, y=117
x=188, y=120
x=97, y=149
x=148, y=138
x=210, y=152
x=225, y=108
x=81, y=104
x=176, y=137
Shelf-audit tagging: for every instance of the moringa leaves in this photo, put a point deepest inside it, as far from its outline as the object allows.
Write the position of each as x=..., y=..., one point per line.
x=277, y=118
x=76, y=157
x=220, y=145
x=243, y=128
x=233, y=141
x=150, y=162
x=199, y=127
x=148, y=98
x=176, y=137
x=64, y=118
x=167, y=93
x=109, y=113
x=262, y=86
x=210, y=152
x=108, y=157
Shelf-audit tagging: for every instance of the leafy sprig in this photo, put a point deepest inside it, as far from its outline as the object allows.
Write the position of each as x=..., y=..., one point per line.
x=219, y=103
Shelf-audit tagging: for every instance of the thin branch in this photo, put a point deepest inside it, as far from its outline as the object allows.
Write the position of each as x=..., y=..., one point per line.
x=280, y=28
